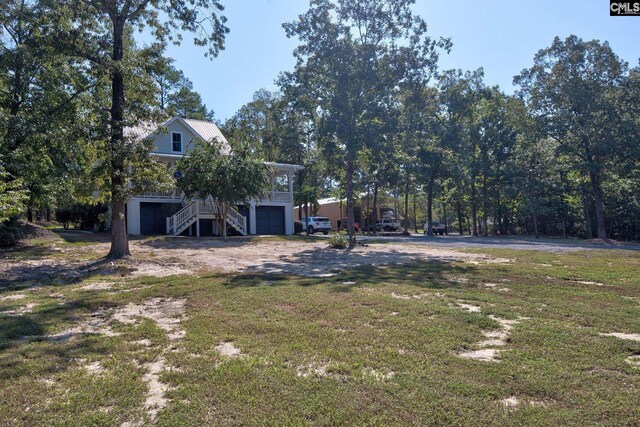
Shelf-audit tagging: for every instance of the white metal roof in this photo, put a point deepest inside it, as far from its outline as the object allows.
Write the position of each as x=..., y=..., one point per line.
x=285, y=166
x=206, y=130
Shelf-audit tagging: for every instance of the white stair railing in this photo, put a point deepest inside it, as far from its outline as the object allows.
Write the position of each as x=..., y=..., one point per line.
x=237, y=220
x=189, y=214
x=182, y=219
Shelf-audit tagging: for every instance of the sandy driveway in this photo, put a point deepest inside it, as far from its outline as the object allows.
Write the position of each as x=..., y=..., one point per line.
x=304, y=257
x=184, y=255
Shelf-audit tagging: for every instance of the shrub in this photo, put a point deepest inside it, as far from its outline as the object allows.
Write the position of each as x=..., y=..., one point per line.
x=298, y=227
x=10, y=232
x=339, y=240
x=83, y=216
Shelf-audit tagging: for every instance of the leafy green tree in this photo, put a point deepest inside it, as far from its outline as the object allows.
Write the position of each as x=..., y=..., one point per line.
x=13, y=196
x=571, y=90
x=42, y=116
x=353, y=56
x=99, y=35
x=228, y=178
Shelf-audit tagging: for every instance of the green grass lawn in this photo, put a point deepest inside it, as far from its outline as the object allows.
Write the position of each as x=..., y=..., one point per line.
x=372, y=346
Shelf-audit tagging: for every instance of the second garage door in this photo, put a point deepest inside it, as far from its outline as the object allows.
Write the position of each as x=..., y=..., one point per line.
x=270, y=220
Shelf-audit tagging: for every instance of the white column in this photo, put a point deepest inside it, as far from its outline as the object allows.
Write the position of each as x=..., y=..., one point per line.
x=252, y=217
x=288, y=219
x=290, y=175
x=133, y=217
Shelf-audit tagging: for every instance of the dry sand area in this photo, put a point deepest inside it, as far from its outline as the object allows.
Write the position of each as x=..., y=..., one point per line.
x=168, y=256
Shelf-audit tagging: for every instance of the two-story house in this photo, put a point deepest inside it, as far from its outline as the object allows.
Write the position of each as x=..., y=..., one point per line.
x=172, y=213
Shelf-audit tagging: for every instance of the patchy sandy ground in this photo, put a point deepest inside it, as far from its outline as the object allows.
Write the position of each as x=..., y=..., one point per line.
x=167, y=313
x=310, y=258
x=177, y=256
x=490, y=348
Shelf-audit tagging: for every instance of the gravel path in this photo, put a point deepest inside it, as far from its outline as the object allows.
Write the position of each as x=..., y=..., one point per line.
x=518, y=242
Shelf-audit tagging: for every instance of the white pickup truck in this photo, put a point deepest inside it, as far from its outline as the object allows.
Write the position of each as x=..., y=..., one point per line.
x=388, y=224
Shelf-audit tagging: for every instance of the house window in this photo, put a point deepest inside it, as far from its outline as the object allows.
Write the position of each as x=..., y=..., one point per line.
x=176, y=139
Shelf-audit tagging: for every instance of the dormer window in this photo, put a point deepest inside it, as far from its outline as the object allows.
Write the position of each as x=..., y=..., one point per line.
x=176, y=139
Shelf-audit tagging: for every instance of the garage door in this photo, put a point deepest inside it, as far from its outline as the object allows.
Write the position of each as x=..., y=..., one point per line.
x=153, y=217
x=270, y=220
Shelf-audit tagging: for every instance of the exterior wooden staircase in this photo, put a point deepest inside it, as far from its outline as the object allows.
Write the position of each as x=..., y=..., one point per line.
x=204, y=209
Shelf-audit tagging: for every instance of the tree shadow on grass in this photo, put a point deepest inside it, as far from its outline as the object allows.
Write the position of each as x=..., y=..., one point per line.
x=25, y=339
x=324, y=262
x=76, y=237
x=189, y=242
x=23, y=276
x=422, y=274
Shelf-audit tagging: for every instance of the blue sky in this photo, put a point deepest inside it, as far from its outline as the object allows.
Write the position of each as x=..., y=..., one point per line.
x=501, y=36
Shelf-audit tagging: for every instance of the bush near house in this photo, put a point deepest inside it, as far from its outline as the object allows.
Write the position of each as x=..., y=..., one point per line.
x=82, y=216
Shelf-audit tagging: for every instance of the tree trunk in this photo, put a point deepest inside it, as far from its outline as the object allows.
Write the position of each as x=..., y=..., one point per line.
x=597, y=199
x=485, y=203
x=497, y=217
x=474, y=211
x=430, y=206
x=459, y=209
x=587, y=219
x=375, y=208
x=406, y=206
x=444, y=213
x=119, y=240
x=415, y=216
x=349, y=194
x=223, y=220
x=564, y=227
x=535, y=226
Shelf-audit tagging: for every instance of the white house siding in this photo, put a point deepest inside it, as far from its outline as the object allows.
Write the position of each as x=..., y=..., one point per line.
x=133, y=214
x=207, y=130
x=164, y=143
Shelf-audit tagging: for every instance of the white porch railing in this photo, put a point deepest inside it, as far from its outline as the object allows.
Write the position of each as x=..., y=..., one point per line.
x=279, y=196
x=174, y=194
x=272, y=196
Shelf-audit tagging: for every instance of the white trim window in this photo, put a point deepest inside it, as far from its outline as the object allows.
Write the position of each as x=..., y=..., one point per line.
x=176, y=142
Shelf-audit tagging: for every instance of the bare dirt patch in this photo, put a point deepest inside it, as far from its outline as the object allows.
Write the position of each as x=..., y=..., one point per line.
x=166, y=312
x=14, y=297
x=20, y=311
x=623, y=336
x=228, y=349
x=186, y=256
x=487, y=351
x=96, y=323
x=513, y=402
x=94, y=368
x=379, y=375
x=316, y=369
x=633, y=360
x=469, y=307
x=97, y=286
x=156, y=399
x=309, y=258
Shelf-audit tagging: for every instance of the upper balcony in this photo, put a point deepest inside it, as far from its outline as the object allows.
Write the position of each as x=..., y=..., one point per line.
x=178, y=196
x=281, y=179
